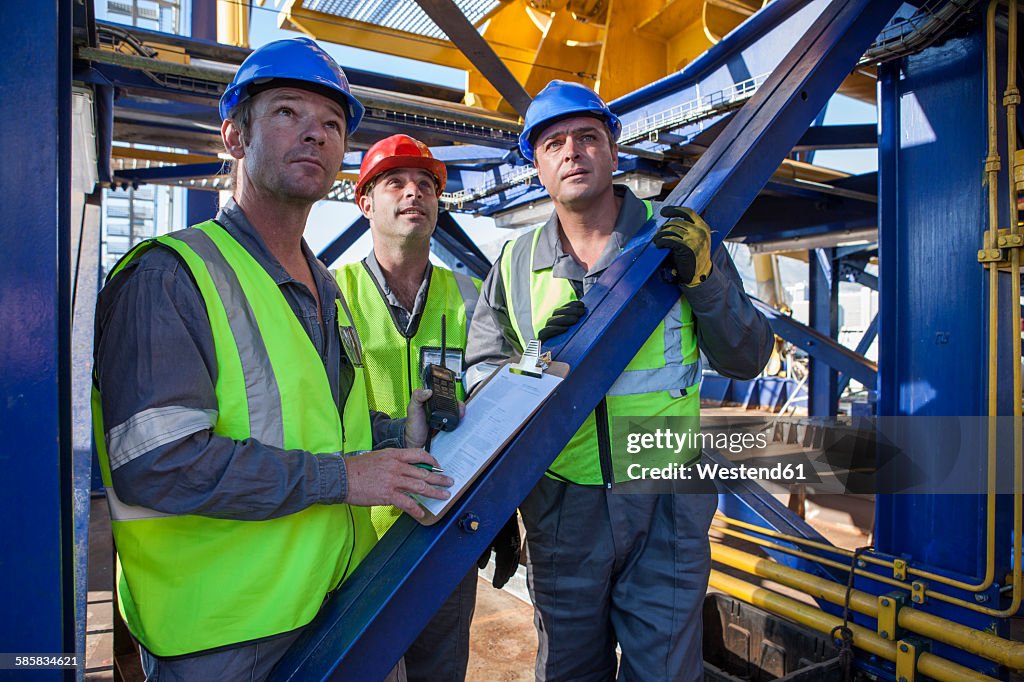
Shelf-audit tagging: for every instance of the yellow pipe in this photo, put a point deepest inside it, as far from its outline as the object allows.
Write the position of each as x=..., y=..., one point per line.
x=892, y=582
x=1011, y=98
x=1002, y=651
x=866, y=557
x=928, y=664
x=931, y=594
x=233, y=23
x=135, y=153
x=764, y=274
x=992, y=176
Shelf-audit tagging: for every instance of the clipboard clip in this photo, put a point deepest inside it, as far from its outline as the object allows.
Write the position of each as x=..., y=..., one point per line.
x=531, y=363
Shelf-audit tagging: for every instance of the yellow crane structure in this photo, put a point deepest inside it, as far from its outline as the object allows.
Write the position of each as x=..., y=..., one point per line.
x=614, y=46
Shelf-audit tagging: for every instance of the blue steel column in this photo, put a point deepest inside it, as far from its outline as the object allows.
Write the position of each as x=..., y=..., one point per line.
x=36, y=572
x=932, y=288
x=932, y=301
x=363, y=630
x=201, y=205
x=824, y=318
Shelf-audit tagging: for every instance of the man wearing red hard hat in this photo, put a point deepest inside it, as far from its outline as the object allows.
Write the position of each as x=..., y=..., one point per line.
x=397, y=299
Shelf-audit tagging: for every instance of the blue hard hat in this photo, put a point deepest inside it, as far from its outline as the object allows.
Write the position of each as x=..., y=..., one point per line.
x=300, y=61
x=562, y=99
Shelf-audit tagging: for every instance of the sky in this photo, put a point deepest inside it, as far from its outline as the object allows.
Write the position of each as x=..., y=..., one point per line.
x=328, y=218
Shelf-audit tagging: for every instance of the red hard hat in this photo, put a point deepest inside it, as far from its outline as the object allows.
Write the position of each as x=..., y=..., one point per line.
x=399, y=151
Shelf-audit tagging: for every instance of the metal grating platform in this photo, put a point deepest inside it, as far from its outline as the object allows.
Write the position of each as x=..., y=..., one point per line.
x=399, y=15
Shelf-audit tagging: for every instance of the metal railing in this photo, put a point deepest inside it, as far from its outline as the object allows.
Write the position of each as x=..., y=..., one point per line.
x=696, y=110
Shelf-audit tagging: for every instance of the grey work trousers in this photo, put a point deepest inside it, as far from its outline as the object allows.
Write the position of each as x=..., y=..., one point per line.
x=441, y=652
x=249, y=663
x=610, y=568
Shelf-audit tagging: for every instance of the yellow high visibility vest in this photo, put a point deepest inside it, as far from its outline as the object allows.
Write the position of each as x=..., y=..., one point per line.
x=188, y=583
x=394, y=362
x=662, y=379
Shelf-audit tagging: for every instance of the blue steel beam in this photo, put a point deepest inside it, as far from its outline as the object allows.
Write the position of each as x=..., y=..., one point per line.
x=198, y=47
x=137, y=83
x=201, y=205
x=183, y=171
x=847, y=136
x=454, y=238
x=862, y=347
x=852, y=270
x=854, y=136
x=824, y=318
x=816, y=344
x=759, y=233
x=37, y=582
x=349, y=236
x=747, y=501
x=410, y=572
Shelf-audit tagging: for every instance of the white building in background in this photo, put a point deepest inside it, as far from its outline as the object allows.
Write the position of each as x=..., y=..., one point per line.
x=132, y=215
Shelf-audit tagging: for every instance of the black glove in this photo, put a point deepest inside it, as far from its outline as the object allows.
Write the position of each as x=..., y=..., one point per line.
x=688, y=237
x=507, y=547
x=564, y=317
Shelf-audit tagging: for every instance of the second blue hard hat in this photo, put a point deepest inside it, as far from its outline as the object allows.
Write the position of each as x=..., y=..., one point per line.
x=562, y=99
x=301, y=61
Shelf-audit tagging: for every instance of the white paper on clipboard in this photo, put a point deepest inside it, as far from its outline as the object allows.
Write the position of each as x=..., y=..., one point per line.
x=496, y=412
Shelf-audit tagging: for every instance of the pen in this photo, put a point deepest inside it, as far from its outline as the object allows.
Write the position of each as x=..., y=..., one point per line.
x=431, y=469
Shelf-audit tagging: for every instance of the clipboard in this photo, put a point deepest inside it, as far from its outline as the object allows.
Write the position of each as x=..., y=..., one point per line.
x=495, y=413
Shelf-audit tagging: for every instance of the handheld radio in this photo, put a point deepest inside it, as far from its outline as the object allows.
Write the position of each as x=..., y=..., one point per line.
x=442, y=407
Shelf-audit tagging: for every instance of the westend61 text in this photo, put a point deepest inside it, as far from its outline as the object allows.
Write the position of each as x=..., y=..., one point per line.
x=710, y=471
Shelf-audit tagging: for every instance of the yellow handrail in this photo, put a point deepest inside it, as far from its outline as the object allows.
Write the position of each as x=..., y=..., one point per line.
x=928, y=664
x=1002, y=651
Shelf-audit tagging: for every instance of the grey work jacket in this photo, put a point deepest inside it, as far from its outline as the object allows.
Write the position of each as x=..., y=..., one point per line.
x=733, y=335
x=154, y=348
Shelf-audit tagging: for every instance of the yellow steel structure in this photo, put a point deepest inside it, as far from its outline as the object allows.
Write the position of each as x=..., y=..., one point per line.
x=615, y=46
x=233, y=23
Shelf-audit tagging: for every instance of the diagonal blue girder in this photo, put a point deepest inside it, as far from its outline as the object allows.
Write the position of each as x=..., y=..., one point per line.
x=452, y=237
x=821, y=347
x=345, y=239
x=862, y=347
x=364, y=629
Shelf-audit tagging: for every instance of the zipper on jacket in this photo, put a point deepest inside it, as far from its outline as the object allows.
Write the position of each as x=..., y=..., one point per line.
x=408, y=366
x=604, y=443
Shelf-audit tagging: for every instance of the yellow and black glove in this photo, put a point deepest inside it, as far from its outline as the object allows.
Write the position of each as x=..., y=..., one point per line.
x=561, y=320
x=688, y=237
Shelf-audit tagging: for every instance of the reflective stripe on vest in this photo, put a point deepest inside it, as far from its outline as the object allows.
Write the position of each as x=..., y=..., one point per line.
x=154, y=427
x=660, y=380
x=187, y=583
x=392, y=360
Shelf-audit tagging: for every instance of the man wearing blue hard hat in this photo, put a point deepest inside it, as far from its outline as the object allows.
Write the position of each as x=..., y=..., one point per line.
x=229, y=402
x=609, y=564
